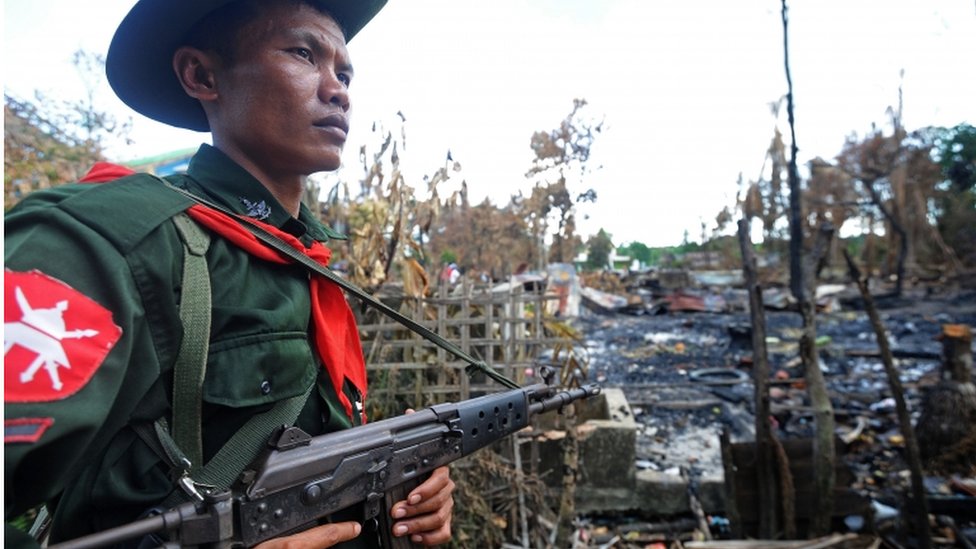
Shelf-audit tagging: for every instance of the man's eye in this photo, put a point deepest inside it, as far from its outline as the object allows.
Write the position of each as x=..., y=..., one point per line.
x=304, y=53
x=344, y=78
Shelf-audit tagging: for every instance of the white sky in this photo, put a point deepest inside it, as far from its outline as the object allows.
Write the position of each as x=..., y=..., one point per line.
x=683, y=87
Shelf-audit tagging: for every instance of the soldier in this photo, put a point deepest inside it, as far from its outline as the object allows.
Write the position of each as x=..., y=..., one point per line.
x=112, y=287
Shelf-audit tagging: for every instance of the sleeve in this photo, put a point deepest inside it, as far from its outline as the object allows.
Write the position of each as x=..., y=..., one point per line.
x=73, y=325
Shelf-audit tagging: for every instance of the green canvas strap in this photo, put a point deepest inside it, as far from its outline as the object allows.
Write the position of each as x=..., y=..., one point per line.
x=157, y=438
x=248, y=441
x=239, y=451
x=228, y=463
x=191, y=361
x=182, y=447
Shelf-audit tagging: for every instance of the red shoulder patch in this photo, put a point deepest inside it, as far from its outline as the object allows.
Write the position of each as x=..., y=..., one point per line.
x=54, y=337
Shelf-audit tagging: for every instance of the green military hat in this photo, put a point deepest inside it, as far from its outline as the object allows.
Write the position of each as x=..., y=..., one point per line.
x=139, y=61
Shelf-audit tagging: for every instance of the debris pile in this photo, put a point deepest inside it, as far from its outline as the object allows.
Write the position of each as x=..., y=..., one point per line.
x=679, y=346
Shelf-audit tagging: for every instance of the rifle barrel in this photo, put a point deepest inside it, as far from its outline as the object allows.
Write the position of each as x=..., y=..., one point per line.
x=143, y=527
x=562, y=398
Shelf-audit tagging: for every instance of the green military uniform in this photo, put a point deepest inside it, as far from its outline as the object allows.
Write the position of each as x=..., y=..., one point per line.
x=114, y=243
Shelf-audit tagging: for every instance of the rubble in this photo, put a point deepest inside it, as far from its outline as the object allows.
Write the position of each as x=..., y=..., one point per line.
x=684, y=369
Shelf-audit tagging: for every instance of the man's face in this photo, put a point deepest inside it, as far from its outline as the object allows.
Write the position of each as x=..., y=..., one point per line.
x=283, y=103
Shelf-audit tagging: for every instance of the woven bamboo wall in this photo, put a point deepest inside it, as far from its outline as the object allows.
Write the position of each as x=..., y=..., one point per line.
x=500, y=327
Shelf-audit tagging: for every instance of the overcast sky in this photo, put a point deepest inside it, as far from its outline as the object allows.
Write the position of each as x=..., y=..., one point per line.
x=683, y=88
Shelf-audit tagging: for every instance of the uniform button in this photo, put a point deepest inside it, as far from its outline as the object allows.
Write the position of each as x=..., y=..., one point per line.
x=265, y=387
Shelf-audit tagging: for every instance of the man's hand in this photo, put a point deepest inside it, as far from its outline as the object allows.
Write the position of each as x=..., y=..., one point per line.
x=426, y=513
x=319, y=537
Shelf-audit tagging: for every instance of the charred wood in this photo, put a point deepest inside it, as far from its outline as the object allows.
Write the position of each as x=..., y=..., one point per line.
x=768, y=519
x=911, y=443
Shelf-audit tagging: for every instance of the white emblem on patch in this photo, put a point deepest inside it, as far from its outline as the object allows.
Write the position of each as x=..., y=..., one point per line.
x=41, y=331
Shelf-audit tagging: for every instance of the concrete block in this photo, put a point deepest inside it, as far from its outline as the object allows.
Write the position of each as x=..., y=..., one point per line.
x=607, y=451
x=607, y=436
x=660, y=493
x=608, y=479
x=666, y=494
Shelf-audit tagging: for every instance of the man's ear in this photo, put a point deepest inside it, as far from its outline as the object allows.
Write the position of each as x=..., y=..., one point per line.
x=195, y=71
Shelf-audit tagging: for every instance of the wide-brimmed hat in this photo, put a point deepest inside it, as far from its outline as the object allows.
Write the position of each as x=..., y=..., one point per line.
x=139, y=64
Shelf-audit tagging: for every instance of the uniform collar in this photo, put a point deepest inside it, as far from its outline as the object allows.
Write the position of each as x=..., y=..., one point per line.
x=228, y=184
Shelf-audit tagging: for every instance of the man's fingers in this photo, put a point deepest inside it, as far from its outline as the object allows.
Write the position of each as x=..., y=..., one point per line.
x=437, y=537
x=434, y=527
x=427, y=497
x=438, y=481
x=319, y=537
x=425, y=516
x=426, y=506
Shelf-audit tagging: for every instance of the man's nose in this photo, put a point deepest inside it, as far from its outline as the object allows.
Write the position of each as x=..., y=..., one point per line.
x=333, y=90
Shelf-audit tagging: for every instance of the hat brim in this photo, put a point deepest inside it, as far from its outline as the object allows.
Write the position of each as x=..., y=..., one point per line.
x=139, y=64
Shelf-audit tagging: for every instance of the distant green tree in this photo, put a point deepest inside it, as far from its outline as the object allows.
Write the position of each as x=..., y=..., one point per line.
x=955, y=152
x=599, y=247
x=657, y=255
x=638, y=251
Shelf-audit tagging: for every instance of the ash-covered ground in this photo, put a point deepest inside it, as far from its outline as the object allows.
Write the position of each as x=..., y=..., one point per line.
x=687, y=376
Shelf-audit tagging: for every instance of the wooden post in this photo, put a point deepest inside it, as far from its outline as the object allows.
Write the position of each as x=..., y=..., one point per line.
x=419, y=375
x=957, y=353
x=731, y=488
x=489, y=337
x=441, y=330
x=765, y=465
x=946, y=426
x=520, y=490
x=824, y=451
x=567, y=499
x=921, y=515
x=823, y=412
x=465, y=326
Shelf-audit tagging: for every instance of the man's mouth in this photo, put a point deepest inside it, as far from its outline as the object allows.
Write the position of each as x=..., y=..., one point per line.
x=334, y=122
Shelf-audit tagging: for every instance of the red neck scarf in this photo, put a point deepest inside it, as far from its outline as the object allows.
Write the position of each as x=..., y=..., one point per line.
x=335, y=332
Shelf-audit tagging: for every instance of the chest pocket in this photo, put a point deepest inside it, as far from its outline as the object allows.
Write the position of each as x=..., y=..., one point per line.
x=258, y=369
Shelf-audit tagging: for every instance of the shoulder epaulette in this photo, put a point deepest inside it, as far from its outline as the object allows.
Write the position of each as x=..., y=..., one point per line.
x=126, y=210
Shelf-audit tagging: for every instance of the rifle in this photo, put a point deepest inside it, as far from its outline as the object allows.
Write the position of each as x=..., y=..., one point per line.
x=298, y=478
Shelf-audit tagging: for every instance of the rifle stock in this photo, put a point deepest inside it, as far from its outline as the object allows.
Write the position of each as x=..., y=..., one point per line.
x=300, y=479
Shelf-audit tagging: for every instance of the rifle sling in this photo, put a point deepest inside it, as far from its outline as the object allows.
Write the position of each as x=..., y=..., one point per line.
x=191, y=360
x=182, y=447
x=242, y=448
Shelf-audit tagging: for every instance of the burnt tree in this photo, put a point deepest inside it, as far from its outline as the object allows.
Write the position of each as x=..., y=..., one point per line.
x=823, y=411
